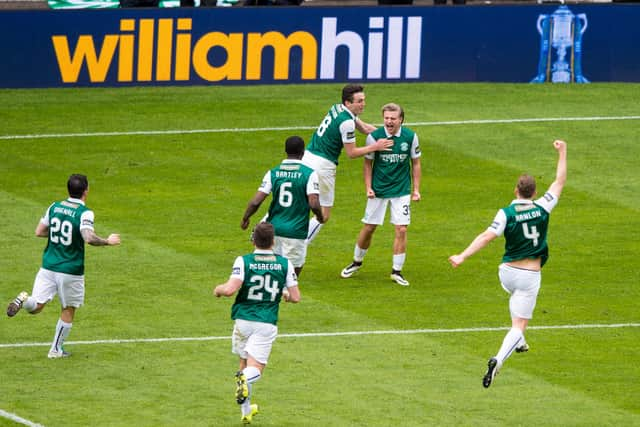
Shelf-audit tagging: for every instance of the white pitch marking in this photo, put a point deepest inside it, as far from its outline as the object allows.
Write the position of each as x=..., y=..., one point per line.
x=17, y=419
x=289, y=128
x=328, y=334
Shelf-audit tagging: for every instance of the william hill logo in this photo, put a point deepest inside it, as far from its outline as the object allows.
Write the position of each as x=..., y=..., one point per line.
x=164, y=50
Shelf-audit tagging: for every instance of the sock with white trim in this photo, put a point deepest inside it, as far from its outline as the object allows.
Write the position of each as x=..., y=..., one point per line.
x=359, y=253
x=398, y=261
x=30, y=304
x=314, y=229
x=252, y=374
x=513, y=339
x=62, y=332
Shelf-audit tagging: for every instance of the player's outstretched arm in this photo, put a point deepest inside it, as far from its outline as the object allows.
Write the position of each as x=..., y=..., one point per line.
x=561, y=169
x=93, y=239
x=364, y=127
x=252, y=207
x=227, y=289
x=354, y=151
x=482, y=240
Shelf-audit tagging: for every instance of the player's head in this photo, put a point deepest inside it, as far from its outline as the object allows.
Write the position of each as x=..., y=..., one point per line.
x=393, y=117
x=263, y=235
x=77, y=185
x=350, y=90
x=526, y=187
x=353, y=98
x=294, y=147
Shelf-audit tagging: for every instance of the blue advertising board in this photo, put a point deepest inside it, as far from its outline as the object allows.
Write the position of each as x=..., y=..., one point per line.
x=186, y=46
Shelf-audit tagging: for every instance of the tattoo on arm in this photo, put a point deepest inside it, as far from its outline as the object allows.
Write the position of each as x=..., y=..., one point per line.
x=92, y=238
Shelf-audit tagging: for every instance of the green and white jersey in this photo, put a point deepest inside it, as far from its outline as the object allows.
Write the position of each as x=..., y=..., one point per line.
x=290, y=182
x=337, y=128
x=65, y=246
x=391, y=175
x=264, y=276
x=524, y=224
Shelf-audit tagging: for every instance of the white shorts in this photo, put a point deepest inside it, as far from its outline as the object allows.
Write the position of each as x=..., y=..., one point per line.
x=295, y=250
x=400, y=208
x=253, y=339
x=68, y=287
x=326, y=171
x=523, y=286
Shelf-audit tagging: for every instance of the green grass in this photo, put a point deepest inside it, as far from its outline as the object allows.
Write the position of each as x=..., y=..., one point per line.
x=177, y=200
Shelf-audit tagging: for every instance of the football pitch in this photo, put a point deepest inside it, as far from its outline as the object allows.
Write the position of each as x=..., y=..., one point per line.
x=172, y=169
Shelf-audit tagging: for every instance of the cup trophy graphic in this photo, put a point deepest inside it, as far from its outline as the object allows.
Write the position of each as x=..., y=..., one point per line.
x=561, y=33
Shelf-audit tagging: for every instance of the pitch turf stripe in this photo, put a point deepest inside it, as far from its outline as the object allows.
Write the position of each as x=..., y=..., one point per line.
x=290, y=128
x=327, y=334
x=17, y=419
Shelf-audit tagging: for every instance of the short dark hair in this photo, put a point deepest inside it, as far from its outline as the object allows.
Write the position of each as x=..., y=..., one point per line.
x=263, y=235
x=77, y=185
x=349, y=90
x=294, y=146
x=526, y=186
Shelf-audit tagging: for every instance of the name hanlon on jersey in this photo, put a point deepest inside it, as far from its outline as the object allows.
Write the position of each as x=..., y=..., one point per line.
x=393, y=158
x=528, y=215
x=64, y=211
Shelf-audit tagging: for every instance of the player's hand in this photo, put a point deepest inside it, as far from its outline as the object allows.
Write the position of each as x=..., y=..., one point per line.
x=455, y=260
x=415, y=196
x=559, y=145
x=384, y=144
x=370, y=193
x=113, y=239
x=285, y=295
x=244, y=223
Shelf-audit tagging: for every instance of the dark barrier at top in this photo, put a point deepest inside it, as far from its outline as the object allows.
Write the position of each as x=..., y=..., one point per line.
x=305, y=44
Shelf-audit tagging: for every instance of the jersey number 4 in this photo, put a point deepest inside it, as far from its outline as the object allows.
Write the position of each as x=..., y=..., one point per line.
x=530, y=233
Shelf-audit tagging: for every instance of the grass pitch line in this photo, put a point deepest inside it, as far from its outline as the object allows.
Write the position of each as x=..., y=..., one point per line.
x=289, y=128
x=17, y=419
x=327, y=334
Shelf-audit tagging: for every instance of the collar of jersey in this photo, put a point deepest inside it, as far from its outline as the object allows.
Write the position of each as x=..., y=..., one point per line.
x=521, y=201
x=396, y=134
x=263, y=251
x=74, y=200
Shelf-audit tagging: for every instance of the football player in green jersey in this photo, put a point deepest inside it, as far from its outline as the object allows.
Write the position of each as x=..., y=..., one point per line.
x=524, y=224
x=338, y=130
x=391, y=178
x=67, y=225
x=261, y=280
x=295, y=191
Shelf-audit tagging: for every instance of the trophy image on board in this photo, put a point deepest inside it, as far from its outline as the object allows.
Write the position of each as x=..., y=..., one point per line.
x=561, y=33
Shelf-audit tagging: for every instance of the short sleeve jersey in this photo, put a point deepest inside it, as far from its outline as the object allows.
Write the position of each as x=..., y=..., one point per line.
x=524, y=224
x=337, y=128
x=391, y=175
x=65, y=246
x=264, y=276
x=290, y=182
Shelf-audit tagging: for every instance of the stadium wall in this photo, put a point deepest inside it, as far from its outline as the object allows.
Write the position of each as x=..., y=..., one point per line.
x=200, y=46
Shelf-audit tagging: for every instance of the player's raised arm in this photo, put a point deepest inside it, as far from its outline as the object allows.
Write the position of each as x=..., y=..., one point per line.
x=561, y=170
